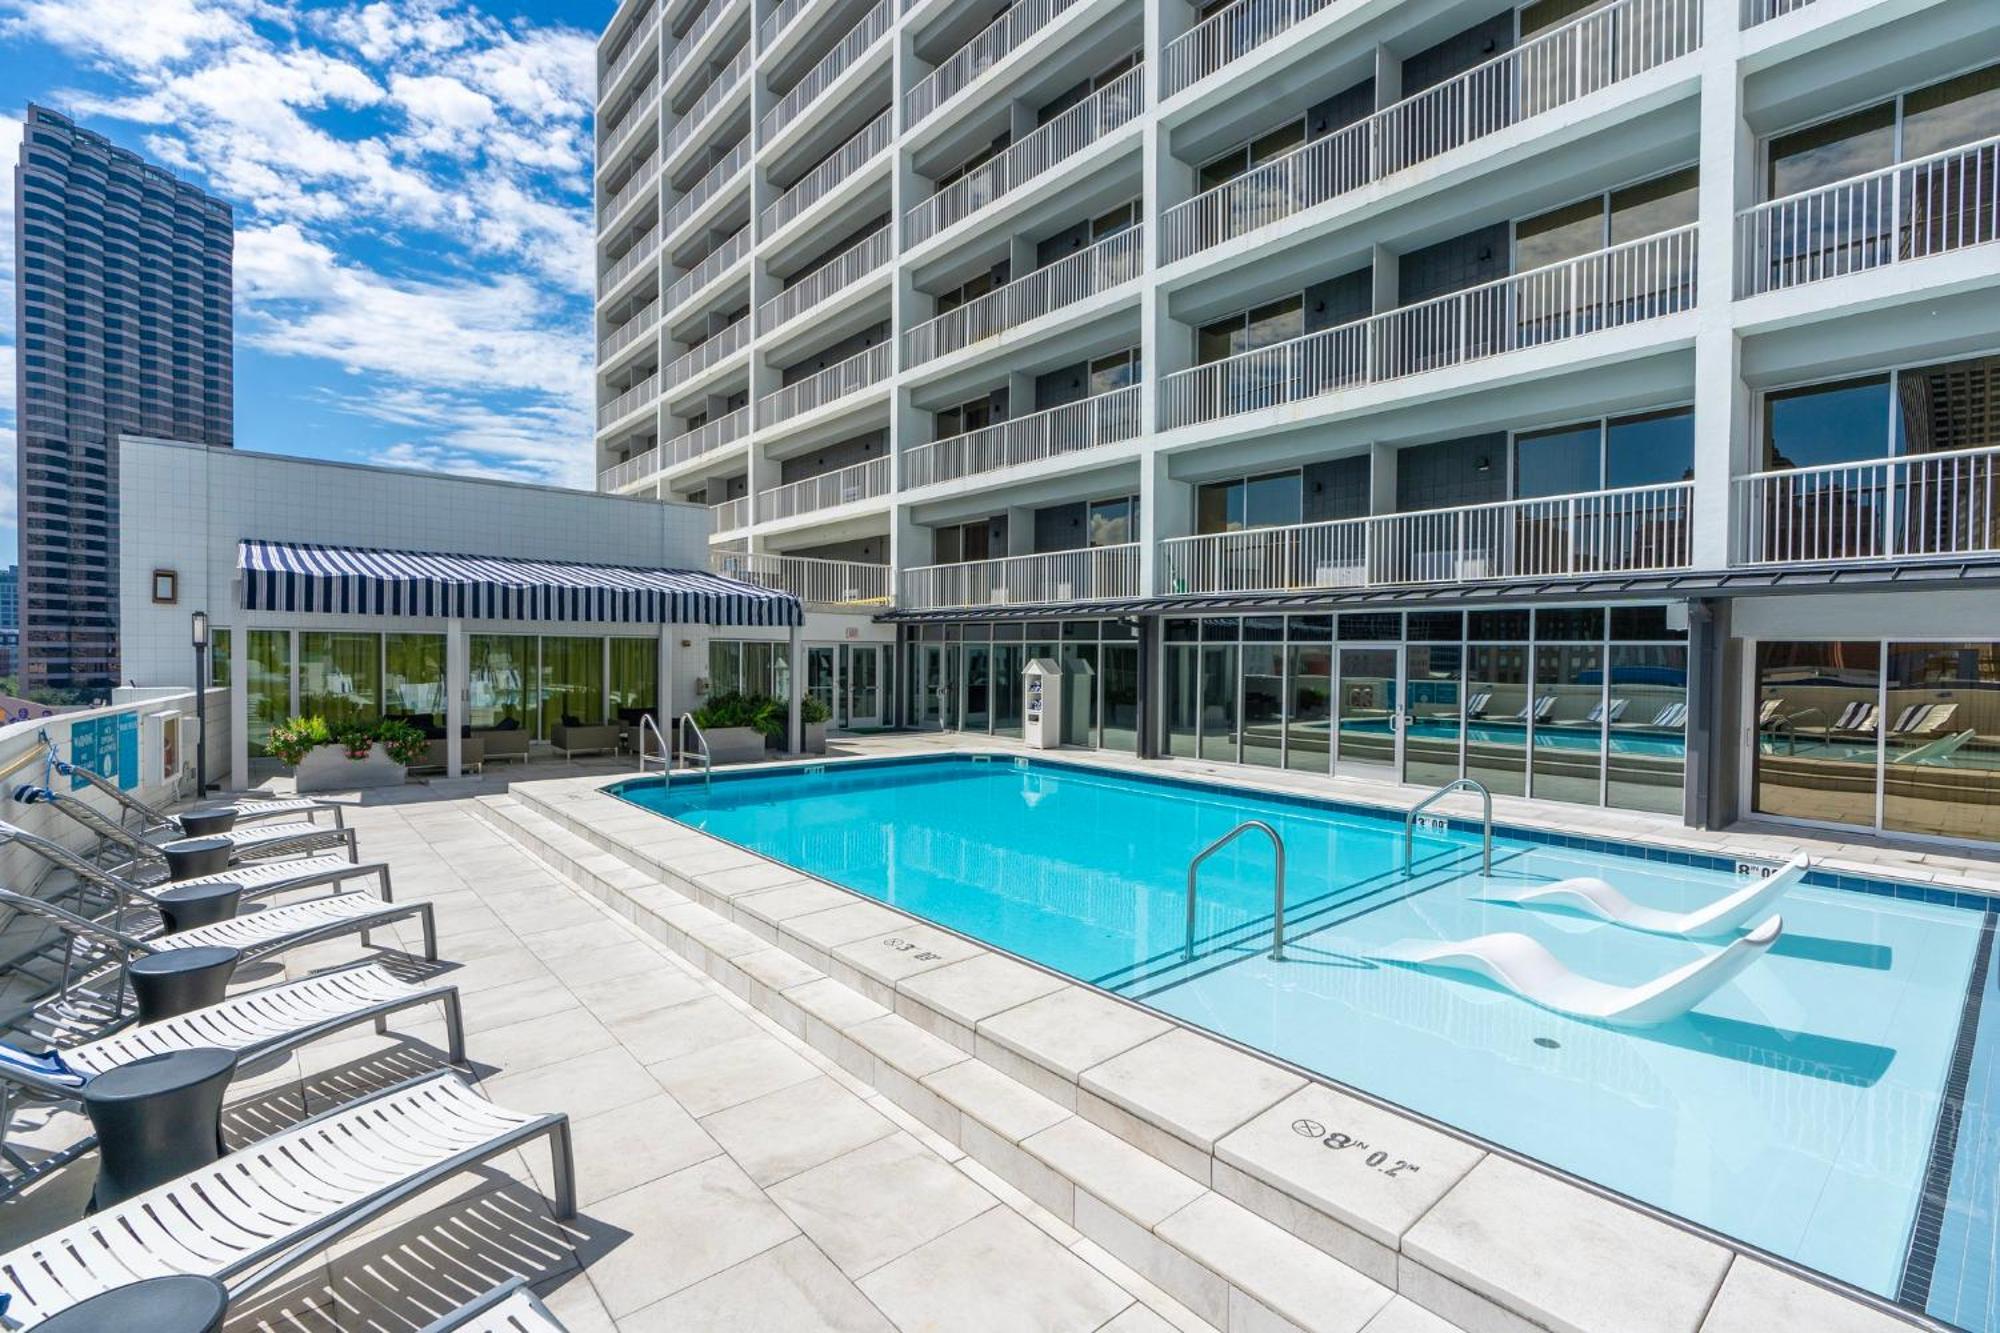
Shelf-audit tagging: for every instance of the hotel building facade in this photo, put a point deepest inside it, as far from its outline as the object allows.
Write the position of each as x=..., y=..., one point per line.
x=1597, y=400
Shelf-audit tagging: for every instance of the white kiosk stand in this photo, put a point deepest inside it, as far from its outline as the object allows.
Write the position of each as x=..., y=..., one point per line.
x=1042, y=683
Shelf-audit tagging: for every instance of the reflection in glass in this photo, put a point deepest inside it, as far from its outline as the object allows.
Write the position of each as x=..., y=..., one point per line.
x=500, y=670
x=413, y=680
x=1008, y=689
x=1430, y=738
x=1079, y=723
x=1308, y=732
x=1941, y=770
x=269, y=688
x=1496, y=711
x=340, y=676
x=1183, y=699
x=1121, y=697
x=1568, y=720
x=572, y=681
x=1264, y=704
x=978, y=711
x=1367, y=708
x=1648, y=762
x=1218, y=702
x=1818, y=713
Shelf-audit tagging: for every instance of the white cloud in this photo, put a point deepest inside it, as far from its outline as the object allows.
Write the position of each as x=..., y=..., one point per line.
x=130, y=34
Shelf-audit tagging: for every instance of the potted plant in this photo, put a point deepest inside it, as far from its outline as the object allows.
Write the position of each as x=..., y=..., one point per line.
x=348, y=757
x=736, y=725
x=815, y=715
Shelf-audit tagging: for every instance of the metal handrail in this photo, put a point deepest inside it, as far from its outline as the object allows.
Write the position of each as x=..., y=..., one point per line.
x=1277, y=885
x=646, y=724
x=707, y=759
x=1456, y=784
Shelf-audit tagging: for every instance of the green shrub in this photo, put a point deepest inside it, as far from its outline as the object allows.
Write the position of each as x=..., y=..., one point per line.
x=812, y=710
x=295, y=737
x=356, y=738
x=403, y=743
x=759, y=712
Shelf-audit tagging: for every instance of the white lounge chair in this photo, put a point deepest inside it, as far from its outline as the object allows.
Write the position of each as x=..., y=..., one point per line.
x=508, y=1308
x=1933, y=751
x=153, y=818
x=265, y=1208
x=1725, y=916
x=1523, y=966
x=119, y=845
x=1541, y=708
x=259, y=879
x=1670, y=718
x=1768, y=713
x=1860, y=715
x=1599, y=712
x=1475, y=707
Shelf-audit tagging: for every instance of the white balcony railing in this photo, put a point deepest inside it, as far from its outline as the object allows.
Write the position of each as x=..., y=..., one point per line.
x=695, y=118
x=849, y=485
x=777, y=21
x=1016, y=24
x=730, y=515
x=1946, y=201
x=690, y=38
x=712, y=182
x=1113, y=260
x=711, y=267
x=1637, y=530
x=644, y=178
x=1107, y=418
x=1590, y=53
x=1881, y=509
x=706, y=353
x=639, y=46
x=1763, y=11
x=625, y=334
x=1228, y=36
x=640, y=395
x=1093, y=573
x=1115, y=104
x=854, y=374
x=636, y=118
x=701, y=440
x=842, y=271
x=640, y=252
x=620, y=475
x=841, y=163
x=872, y=28
x=814, y=582
x=1627, y=284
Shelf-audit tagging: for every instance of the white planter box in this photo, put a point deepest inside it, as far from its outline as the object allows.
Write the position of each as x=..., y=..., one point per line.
x=815, y=738
x=735, y=745
x=327, y=768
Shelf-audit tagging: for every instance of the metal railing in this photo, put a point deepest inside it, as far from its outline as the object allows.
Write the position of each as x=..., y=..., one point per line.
x=777, y=21
x=710, y=268
x=645, y=177
x=733, y=338
x=1879, y=509
x=1016, y=24
x=1946, y=201
x=636, y=118
x=1228, y=36
x=837, y=166
x=1277, y=885
x=640, y=43
x=648, y=726
x=718, y=91
x=703, y=439
x=638, y=253
x=867, y=480
x=1763, y=11
x=684, y=46
x=872, y=28
x=1110, y=107
x=687, y=752
x=1640, y=280
x=854, y=374
x=730, y=514
x=1106, y=418
x=1635, y=529
x=639, y=395
x=712, y=182
x=1092, y=573
x=842, y=271
x=1113, y=260
x=625, y=334
x=1485, y=818
x=813, y=581
x=1590, y=53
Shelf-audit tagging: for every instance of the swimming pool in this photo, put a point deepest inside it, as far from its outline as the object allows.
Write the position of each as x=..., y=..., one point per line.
x=1808, y=1107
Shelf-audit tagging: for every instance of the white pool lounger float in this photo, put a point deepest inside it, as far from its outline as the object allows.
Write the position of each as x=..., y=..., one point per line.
x=1530, y=971
x=1725, y=916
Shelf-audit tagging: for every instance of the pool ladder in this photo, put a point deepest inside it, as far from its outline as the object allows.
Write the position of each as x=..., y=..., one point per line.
x=1486, y=819
x=1277, y=885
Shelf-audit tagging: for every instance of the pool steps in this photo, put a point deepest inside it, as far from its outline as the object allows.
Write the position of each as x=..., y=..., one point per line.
x=1243, y=1190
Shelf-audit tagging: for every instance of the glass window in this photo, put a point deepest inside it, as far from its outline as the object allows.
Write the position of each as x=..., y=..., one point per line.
x=1183, y=710
x=1941, y=774
x=1008, y=690
x=1558, y=462
x=413, y=680
x=1496, y=711
x=1221, y=629
x=1559, y=234
x=1832, y=151
x=1641, y=622
x=218, y=657
x=1218, y=702
x=1121, y=697
x=1818, y=712
x=268, y=692
x=1568, y=720
x=1435, y=626
x=1219, y=507
x=1827, y=423
x=1272, y=500
x=1652, y=449
x=1496, y=625
x=1570, y=624
x=500, y=674
x=635, y=678
x=1263, y=704
x=1431, y=730
x=1951, y=114
x=1646, y=768
x=572, y=681
x=1079, y=722
x=1654, y=206
x=1952, y=406
x=1112, y=522
x=725, y=666
x=1309, y=695
x=1263, y=629
x=340, y=676
x=1357, y=626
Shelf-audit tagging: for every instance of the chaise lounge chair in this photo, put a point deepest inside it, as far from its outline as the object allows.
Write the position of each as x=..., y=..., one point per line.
x=1599, y=713
x=154, y=819
x=509, y=1308
x=1541, y=708
x=260, y=879
x=1769, y=713
x=1476, y=706
x=1671, y=718
x=267, y=1207
x=1523, y=966
x=1858, y=718
x=1931, y=752
x=256, y=843
x=1592, y=896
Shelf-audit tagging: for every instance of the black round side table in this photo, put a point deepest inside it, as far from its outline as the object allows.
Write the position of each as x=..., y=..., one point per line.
x=184, y=1303
x=156, y=1119
x=189, y=857
x=198, y=904
x=207, y=820
x=174, y=981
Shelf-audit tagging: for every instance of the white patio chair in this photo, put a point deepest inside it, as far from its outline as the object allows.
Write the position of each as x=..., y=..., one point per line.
x=118, y=845
x=509, y=1308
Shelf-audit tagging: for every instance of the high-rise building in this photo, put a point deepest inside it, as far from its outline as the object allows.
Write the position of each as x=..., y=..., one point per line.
x=1594, y=398
x=10, y=598
x=122, y=326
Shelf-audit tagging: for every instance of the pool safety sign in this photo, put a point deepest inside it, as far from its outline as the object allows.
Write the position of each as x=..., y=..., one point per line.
x=108, y=746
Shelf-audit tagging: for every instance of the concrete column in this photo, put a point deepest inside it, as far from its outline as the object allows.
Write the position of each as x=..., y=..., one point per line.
x=1382, y=478
x=1389, y=77
x=795, y=728
x=664, y=712
x=1386, y=274
x=239, y=704
x=1166, y=509
x=1722, y=428
x=1020, y=530
x=1020, y=395
x=456, y=666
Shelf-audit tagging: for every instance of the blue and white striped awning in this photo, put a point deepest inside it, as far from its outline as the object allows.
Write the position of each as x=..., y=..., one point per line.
x=358, y=581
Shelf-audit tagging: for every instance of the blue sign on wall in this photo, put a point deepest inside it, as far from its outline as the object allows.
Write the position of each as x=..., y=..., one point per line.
x=128, y=750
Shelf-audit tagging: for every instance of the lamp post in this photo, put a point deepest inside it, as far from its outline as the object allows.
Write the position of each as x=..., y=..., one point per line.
x=201, y=705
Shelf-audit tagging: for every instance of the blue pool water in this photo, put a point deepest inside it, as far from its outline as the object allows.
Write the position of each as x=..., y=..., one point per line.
x=1798, y=1108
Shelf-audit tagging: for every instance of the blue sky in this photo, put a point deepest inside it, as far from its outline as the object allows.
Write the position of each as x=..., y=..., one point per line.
x=412, y=191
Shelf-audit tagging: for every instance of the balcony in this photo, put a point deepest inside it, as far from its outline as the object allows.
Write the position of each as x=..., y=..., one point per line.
x=640, y=44
x=837, y=274
x=1915, y=505
x=1114, y=105
x=704, y=439
x=1228, y=36
x=729, y=515
x=833, y=583
x=711, y=184
x=628, y=263
x=707, y=353
x=683, y=47
x=1641, y=280
x=625, y=334
x=872, y=28
x=711, y=267
x=837, y=381
x=641, y=395
x=1092, y=573
x=777, y=21
x=1587, y=55
x=719, y=89
x=636, y=118
x=1113, y=260
x=843, y=162
x=1930, y=206
x=1763, y=11
x=956, y=72
x=829, y=490
x=1644, y=529
x=1108, y=418
x=643, y=180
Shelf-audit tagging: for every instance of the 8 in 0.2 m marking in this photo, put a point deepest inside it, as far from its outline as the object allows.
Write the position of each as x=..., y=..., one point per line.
x=1373, y=1158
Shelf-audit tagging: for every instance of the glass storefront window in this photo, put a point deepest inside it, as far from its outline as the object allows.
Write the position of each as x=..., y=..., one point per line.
x=340, y=676
x=1079, y=664
x=219, y=657
x=572, y=681
x=1121, y=697
x=1431, y=734
x=1309, y=707
x=1647, y=765
x=268, y=691
x=1818, y=711
x=1008, y=689
x=1264, y=703
x=635, y=678
x=413, y=680
x=500, y=675
x=1496, y=712
x=1941, y=762
x=1183, y=691
x=1568, y=721
x=1218, y=702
